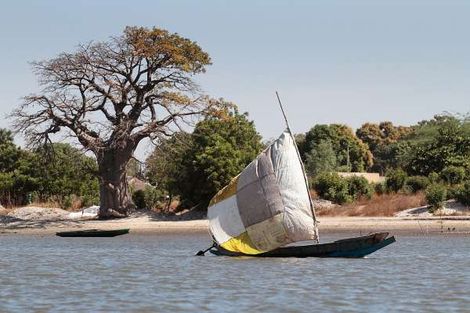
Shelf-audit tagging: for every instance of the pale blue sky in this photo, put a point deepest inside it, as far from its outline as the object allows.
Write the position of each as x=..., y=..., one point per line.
x=332, y=61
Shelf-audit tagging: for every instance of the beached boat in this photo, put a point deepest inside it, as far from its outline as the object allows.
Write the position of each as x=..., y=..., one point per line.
x=267, y=211
x=93, y=233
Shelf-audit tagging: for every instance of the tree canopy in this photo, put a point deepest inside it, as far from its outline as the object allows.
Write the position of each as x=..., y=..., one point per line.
x=218, y=149
x=351, y=153
x=44, y=176
x=383, y=142
x=438, y=144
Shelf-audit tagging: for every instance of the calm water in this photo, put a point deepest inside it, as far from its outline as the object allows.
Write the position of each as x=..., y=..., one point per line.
x=158, y=273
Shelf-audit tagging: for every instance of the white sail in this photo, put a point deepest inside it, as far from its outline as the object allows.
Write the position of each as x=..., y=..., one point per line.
x=267, y=205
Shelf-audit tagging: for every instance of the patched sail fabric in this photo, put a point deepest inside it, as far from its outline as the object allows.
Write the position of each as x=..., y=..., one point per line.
x=267, y=205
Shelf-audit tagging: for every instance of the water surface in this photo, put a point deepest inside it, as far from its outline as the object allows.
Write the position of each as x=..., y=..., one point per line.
x=159, y=273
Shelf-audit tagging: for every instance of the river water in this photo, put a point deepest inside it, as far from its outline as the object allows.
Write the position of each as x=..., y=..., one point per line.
x=159, y=273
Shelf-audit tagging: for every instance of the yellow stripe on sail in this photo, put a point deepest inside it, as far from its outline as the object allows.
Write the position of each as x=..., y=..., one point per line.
x=242, y=243
x=226, y=192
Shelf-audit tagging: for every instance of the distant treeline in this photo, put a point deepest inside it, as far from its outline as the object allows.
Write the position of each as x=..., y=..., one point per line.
x=59, y=174
x=433, y=155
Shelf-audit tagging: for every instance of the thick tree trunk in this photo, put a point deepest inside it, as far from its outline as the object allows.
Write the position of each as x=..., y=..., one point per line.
x=115, y=198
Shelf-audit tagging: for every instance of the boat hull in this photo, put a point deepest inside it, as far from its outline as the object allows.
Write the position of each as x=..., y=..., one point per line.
x=93, y=233
x=356, y=247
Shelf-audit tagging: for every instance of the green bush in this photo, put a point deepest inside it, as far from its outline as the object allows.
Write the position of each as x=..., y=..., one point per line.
x=152, y=197
x=463, y=195
x=453, y=191
x=138, y=197
x=433, y=177
x=359, y=187
x=332, y=187
x=89, y=200
x=435, y=196
x=147, y=198
x=417, y=183
x=380, y=188
x=396, y=180
x=66, y=202
x=453, y=175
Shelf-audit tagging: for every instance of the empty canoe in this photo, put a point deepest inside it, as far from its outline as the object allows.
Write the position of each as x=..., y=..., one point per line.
x=93, y=233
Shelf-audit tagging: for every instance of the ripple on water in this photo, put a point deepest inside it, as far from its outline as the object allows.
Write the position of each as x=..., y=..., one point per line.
x=160, y=273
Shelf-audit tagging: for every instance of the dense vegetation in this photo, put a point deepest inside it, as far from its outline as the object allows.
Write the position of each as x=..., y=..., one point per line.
x=195, y=166
x=432, y=157
x=59, y=174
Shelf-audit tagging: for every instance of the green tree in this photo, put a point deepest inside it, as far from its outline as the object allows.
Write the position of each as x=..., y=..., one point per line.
x=166, y=166
x=437, y=144
x=17, y=171
x=221, y=148
x=351, y=153
x=384, y=142
x=64, y=171
x=453, y=174
x=321, y=159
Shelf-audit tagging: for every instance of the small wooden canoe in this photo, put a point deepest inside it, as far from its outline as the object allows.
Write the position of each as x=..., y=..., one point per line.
x=93, y=233
x=357, y=247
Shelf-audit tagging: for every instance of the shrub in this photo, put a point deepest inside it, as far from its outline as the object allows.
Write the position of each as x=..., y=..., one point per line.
x=396, y=180
x=433, y=177
x=417, y=183
x=332, y=187
x=89, y=200
x=66, y=202
x=435, y=196
x=463, y=194
x=380, y=188
x=139, y=199
x=146, y=198
x=152, y=197
x=359, y=187
x=453, y=175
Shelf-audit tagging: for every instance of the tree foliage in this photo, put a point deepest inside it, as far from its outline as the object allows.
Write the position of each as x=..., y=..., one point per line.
x=383, y=142
x=17, y=171
x=331, y=186
x=218, y=149
x=55, y=173
x=320, y=159
x=165, y=166
x=438, y=144
x=351, y=153
x=435, y=196
x=222, y=148
x=66, y=171
x=463, y=194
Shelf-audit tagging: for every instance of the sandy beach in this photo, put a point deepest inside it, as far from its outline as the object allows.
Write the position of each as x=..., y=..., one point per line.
x=151, y=224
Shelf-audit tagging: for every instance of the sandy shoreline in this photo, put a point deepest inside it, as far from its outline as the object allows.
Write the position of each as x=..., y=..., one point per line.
x=146, y=224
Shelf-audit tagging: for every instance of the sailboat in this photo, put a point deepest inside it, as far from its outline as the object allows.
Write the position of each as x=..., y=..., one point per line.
x=267, y=211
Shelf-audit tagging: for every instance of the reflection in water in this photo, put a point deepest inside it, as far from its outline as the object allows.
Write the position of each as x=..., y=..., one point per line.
x=148, y=273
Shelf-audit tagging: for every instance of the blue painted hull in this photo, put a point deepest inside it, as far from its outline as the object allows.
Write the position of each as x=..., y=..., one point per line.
x=357, y=247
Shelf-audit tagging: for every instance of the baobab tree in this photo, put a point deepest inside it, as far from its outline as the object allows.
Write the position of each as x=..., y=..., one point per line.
x=111, y=95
